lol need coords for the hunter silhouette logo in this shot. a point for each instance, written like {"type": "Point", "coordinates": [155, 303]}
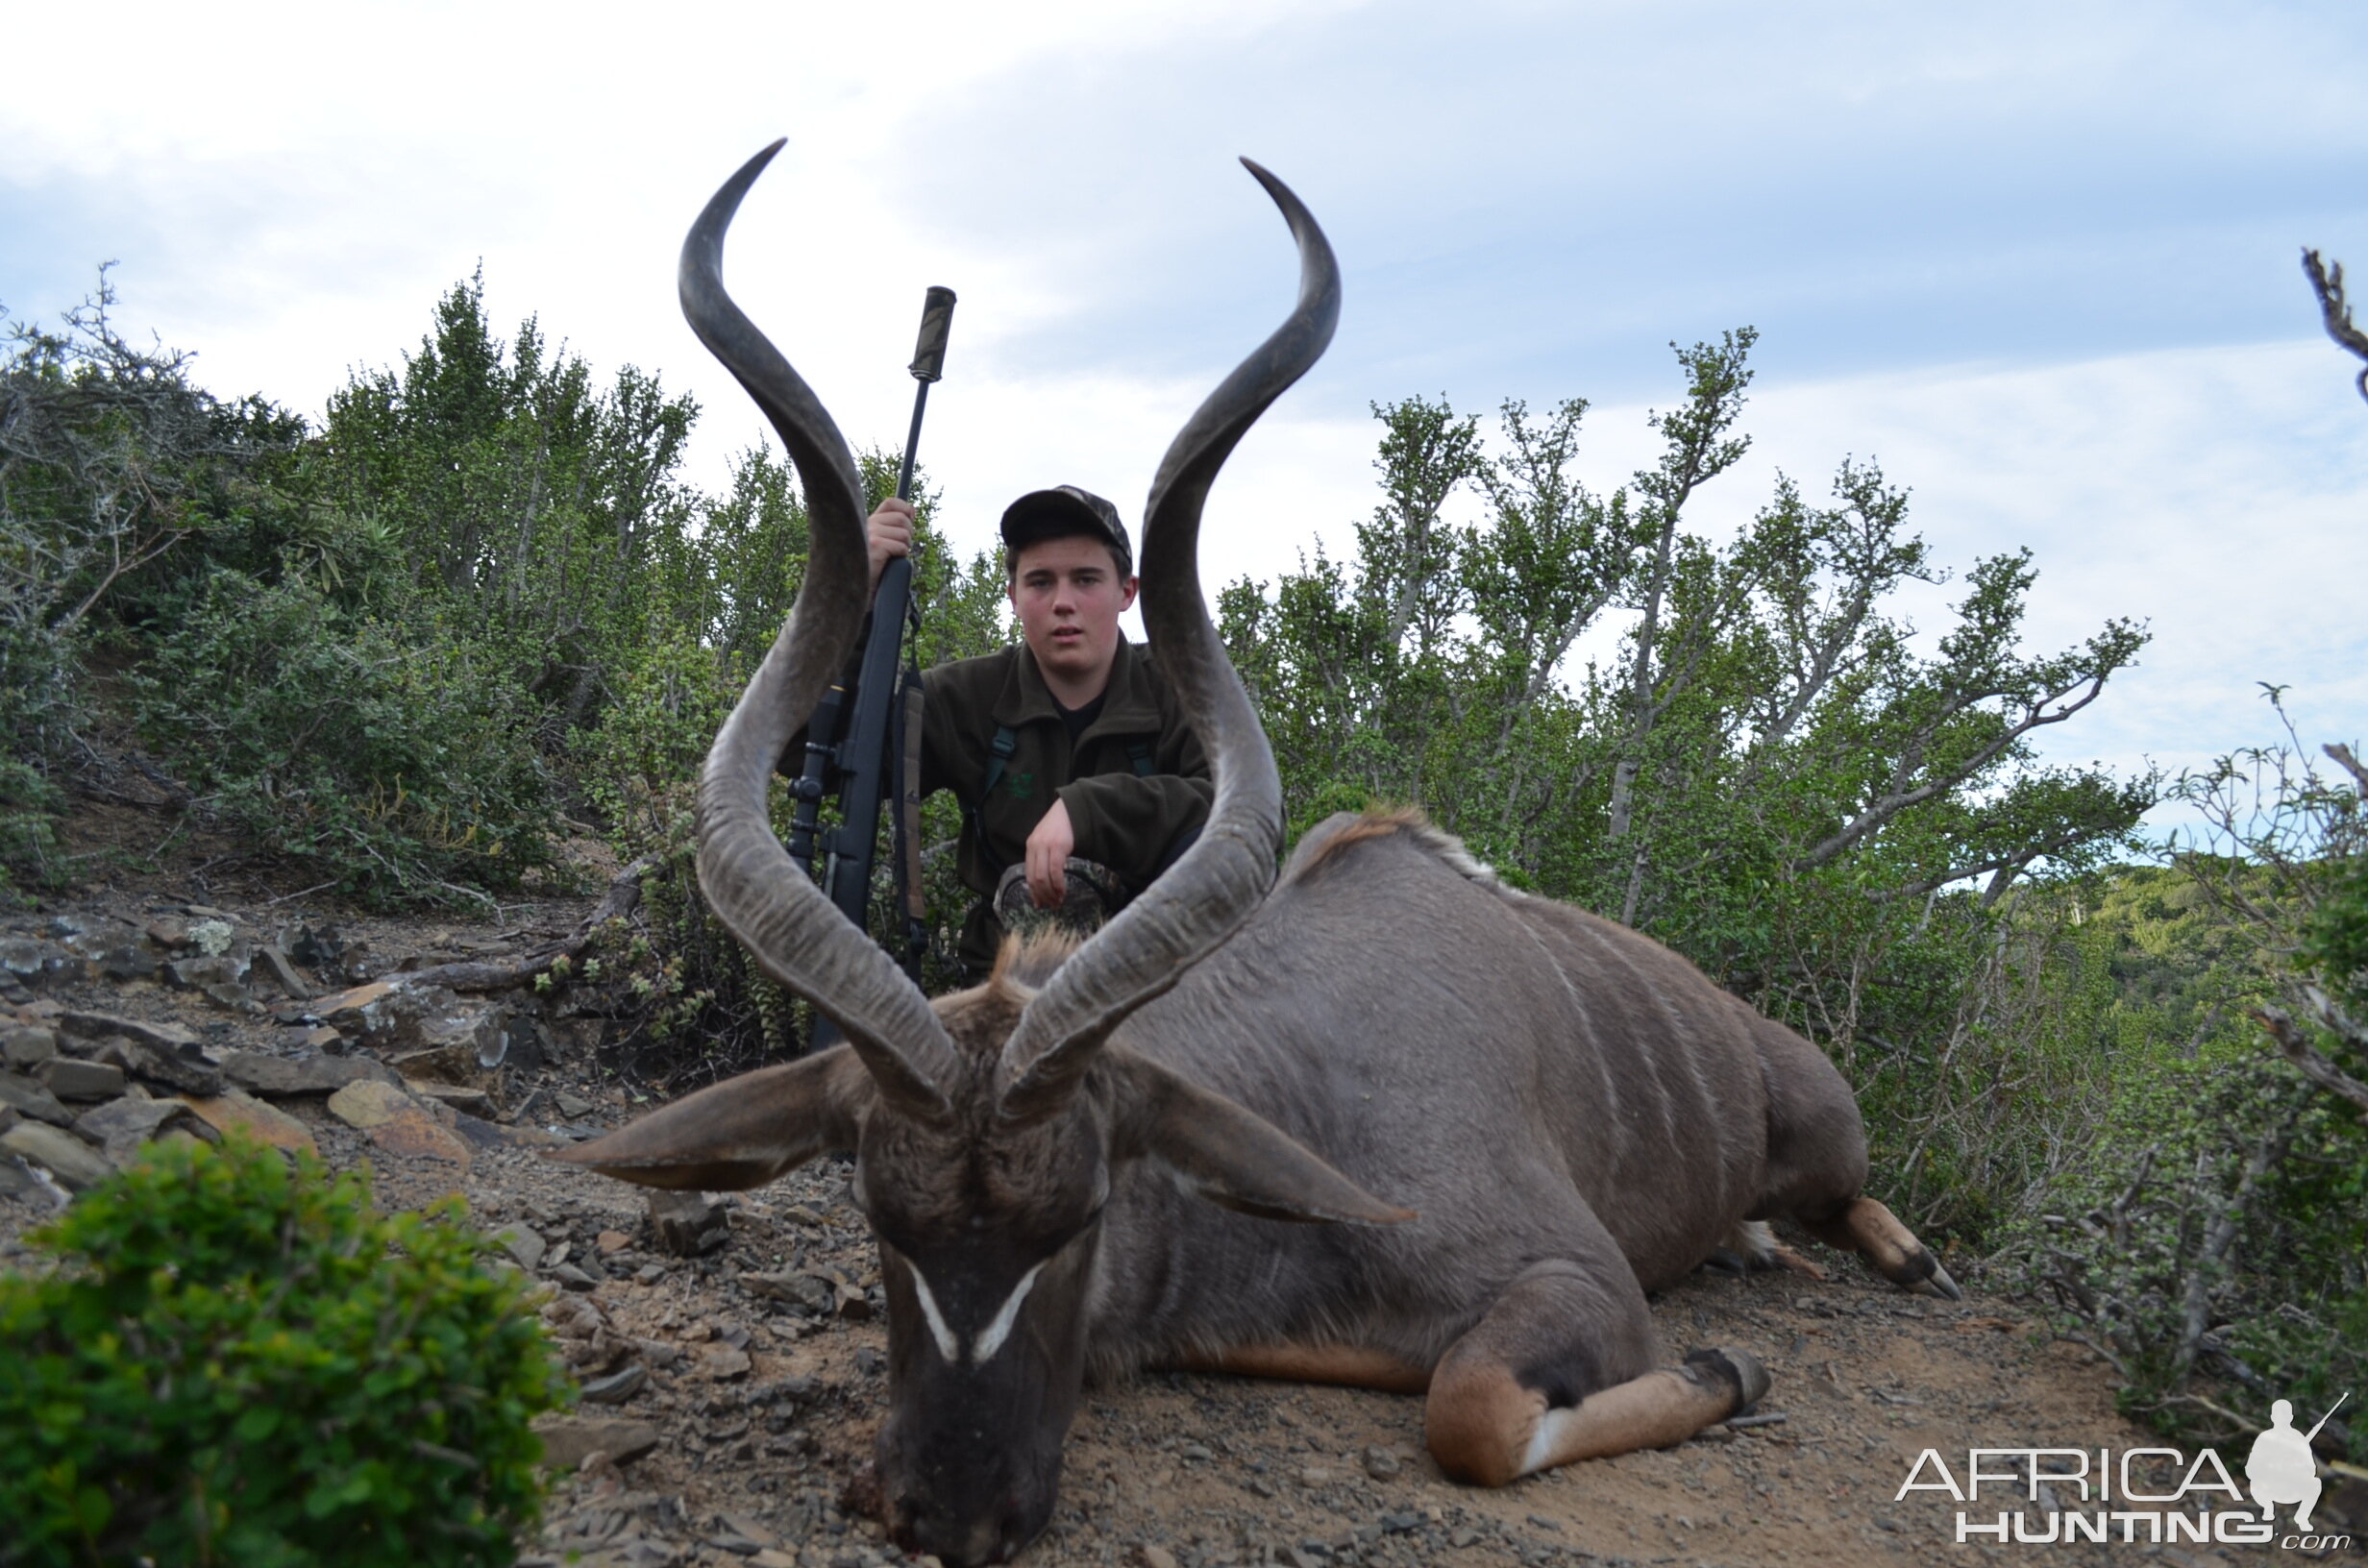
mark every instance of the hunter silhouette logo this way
{"type": "Point", "coordinates": [2281, 1470]}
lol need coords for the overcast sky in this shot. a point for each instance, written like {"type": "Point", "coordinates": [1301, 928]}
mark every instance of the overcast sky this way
{"type": "Point", "coordinates": [2039, 260]}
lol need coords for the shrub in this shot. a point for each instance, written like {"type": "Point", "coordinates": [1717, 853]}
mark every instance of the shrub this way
{"type": "Point", "coordinates": [399, 759]}
{"type": "Point", "coordinates": [236, 1360]}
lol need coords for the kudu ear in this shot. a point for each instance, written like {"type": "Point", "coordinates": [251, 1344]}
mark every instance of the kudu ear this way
{"type": "Point", "coordinates": [1230, 1156]}
{"type": "Point", "coordinates": [740, 1133]}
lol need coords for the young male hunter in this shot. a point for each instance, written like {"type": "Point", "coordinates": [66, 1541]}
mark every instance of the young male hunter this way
{"type": "Point", "coordinates": [1068, 748]}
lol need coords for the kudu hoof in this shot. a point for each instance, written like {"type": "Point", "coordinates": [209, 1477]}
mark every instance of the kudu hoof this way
{"type": "Point", "coordinates": [1736, 1369]}
{"type": "Point", "coordinates": [1937, 1285]}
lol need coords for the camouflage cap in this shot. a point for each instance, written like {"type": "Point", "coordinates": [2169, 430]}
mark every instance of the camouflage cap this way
{"type": "Point", "coordinates": [1060, 512]}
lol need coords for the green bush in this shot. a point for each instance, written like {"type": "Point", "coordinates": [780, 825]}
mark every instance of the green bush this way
{"type": "Point", "coordinates": [239, 1361]}
{"type": "Point", "coordinates": [399, 759]}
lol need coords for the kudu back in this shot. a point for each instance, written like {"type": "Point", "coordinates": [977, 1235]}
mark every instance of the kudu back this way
{"type": "Point", "coordinates": [1384, 1123]}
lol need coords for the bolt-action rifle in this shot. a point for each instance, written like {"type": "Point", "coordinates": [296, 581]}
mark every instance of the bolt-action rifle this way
{"type": "Point", "coordinates": [864, 741]}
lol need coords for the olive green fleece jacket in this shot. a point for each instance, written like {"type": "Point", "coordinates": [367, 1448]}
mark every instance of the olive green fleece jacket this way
{"type": "Point", "coordinates": [1121, 821]}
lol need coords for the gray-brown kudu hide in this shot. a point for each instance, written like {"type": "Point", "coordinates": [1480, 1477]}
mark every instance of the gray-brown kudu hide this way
{"type": "Point", "coordinates": [1083, 1162]}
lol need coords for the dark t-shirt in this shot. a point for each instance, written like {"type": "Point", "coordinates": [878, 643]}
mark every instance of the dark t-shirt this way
{"type": "Point", "coordinates": [1075, 720]}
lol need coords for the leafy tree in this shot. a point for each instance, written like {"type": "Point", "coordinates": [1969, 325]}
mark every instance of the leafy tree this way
{"type": "Point", "coordinates": [1764, 769]}
{"type": "Point", "coordinates": [110, 460]}
{"type": "Point", "coordinates": [538, 511]}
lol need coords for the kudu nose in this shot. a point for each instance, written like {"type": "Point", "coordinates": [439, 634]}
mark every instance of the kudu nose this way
{"type": "Point", "coordinates": [958, 1542]}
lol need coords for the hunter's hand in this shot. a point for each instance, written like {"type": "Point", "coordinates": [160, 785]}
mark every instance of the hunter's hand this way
{"type": "Point", "coordinates": [1047, 852]}
{"type": "Point", "coordinates": [889, 533]}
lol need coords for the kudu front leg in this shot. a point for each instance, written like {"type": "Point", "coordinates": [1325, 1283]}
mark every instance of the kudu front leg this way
{"type": "Point", "coordinates": [1561, 1369]}
{"type": "Point", "coordinates": [1862, 1225]}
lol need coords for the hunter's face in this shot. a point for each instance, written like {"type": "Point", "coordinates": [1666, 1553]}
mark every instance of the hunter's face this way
{"type": "Point", "coordinates": [1068, 595]}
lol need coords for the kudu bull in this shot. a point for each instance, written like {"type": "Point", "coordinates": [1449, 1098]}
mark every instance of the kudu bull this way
{"type": "Point", "coordinates": [1081, 1164]}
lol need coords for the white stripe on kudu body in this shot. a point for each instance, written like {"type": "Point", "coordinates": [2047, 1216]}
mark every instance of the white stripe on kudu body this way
{"type": "Point", "coordinates": [990, 1339]}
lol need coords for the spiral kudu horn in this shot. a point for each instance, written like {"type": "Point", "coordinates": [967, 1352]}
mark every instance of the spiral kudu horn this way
{"type": "Point", "coordinates": [793, 932]}
{"type": "Point", "coordinates": [1187, 913]}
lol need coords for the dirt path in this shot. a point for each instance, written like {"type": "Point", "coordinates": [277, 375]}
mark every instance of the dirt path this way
{"type": "Point", "coordinates": [760, 1381]}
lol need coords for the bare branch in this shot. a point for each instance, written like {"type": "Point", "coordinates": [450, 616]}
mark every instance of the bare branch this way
{"type": "Point", "coordinates": [623, 897]}
{"type": "Point", "coordinates": [2327, 283]}
{"type": "Point", "coordinates": [1890, 805]}
{"type": "Point", "coordinates": [2308, 1060]}
{"type": "Point", "coordinates": [2350, 763]}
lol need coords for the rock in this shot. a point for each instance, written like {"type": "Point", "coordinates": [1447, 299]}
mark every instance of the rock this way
{"type": "Point", "coordinates": [235, 998]}
{"type": "Point", "coordinates": [366, 1103]}
{"type": "Point", "coordinates": [1155, 1557]}
{"type": "Point", "coordinates": [1315, 1475]}
{"type": "Point", "coordinates": [317, 950]}
{"type": "Point", "coordinates": [810, 1294]}
{"type": "Point", "coordinates": [722, 1362]}
{"type": "Point", "coordinates": [454, 1065]}
{"type": "Point", "coordinates": [524, 1244]}
{"type": "Point", "coordinates": [575, 1106]}
{"type": "Point", "coordinates": [17, 1180]}
{"type": "Point", "coordinates": [613, 1243]}
{"type": "Point", "coordinates": [234, 1109]}
{"type": "Point", "coordinates": [416, 1134]}
{"type": "Point", "coordinates": [122, 1128]}
{"type": "Point", "coordinates": [163, 1037]}
{"type": "Point", "coordinates": [383, 1011]}
{"type": "Point", "coordinates": [486, 1135]}
{"type": "Point", "coordinates": [1381, 1464]}
{"type": "Point", "coordinates": [167, 931]}
{"type": "Point", "coordinates": [73, 1162]}
{"type": "Point", "coordinates": [476, 1102]}
{"type": "Point", "coordinates": [72, 1080]}
{"type": "Point", "coordinates": [472, 1031]}
{"type": "Point", "coordinates": [618, 1386]}
{"type": "Point", "coordinates": [573, 1277]}
{"type": "Point", "coordinates": [521, 1044]}
{"type": "Point", "coordinates": [27, 1045]}
{"type": "Point", "coordinates": [689, 1224]}
{"type": "Point", "coordinates": [795, 1389]}
{"type": "Point", "coordinates": [568, 1440]}
{"type": "Point", "coordinates": [280, 1077]}
{"type": "Point", "coordinates": [204, 973]}
{"type": "Point", "coordinates": [30, 1099]}
{"type": "Point", "coordinates": [174, 1069]}
{"type": "Point", "coordinates": [283, 972]}
{"type": "Point", "coordinates": [853, 1305]}
{"type": "Point", "coordinates": [131, 961]}
{"type": "Point", "coordinates": [750, 1529]}
{"type": "Point", "coordinates": [396, 1122]}
{"type": "Point", "coordinates": [41, 965]}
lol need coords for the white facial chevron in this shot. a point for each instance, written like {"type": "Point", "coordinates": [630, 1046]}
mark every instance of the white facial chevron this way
{"type": "Point", "coordinates": [948, 1345]}
{"type": "Point", "coordinates": [991, 1338]}
{"type": "Point", "coordinates": [998, 1329]}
